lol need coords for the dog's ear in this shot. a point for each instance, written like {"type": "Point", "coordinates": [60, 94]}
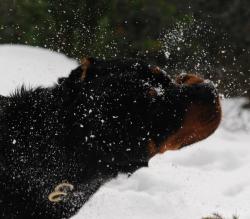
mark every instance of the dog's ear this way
{"type": "Point", "coordinates": [85, 64]}
{"type": "Point", "coordinates": [78, 74]}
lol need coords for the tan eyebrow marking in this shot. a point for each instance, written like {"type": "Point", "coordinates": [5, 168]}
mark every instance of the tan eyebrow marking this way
{"type": "Point", "coordinates": [155, 70]}
{"type": "Point", "coordinates": [189, 79]}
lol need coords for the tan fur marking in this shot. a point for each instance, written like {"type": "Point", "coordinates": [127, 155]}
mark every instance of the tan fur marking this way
{"type": "Point", "coordinates": [152, 149]}
{"type": "Point", "coordinates": [155, 70]}
{"type": "Point", "coordinates": [200, 122]}
{"type": "Point", "coordinates": [189, 79]}
{"type": "Point", "coordinates": [85, 63]}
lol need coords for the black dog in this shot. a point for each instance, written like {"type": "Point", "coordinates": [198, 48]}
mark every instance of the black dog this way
{"type": "Point", "coordinates": [58, 145]}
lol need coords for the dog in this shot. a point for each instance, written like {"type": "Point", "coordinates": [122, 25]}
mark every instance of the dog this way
{"type": "Point", "coordinates": [59, 144]}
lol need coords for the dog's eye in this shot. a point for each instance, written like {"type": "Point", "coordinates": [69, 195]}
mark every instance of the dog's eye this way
{"type": "Point", "coordinates": [155, 91]}
{"type": "Point", "coordinates": [152, 92]}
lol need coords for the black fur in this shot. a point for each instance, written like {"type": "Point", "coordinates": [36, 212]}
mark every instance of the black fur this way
{"type": "Point", "coordinates": [85, 133]}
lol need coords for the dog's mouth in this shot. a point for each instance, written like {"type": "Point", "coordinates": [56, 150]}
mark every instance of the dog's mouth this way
{"type": "Point", "coordinates": [201, 119]}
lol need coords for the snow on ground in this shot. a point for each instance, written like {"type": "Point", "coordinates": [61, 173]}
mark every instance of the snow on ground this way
{"type": "Point", "coordinates": [30, 65]}
{"type": "Point", "coordinates": [209, 177]}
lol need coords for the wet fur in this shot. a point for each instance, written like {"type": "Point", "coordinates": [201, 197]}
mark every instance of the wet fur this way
{"type": "Point", "coordinates": [84, 131]}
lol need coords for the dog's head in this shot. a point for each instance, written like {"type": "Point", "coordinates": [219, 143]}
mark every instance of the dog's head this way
{"type": "Point", "coordinates": [135, 110]}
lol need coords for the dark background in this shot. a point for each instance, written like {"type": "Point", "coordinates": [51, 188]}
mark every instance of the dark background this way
{"type": "Point", "coordinates": [209, 37]}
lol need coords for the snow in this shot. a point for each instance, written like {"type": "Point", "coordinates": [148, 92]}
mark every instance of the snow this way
{"type": "Point", "coordinates": [31, 66]}
{"type": "Point", "coordinates": [209, 177]}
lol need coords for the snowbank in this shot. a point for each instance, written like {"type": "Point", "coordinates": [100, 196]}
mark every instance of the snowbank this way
{"type": "Point", "coordinates": [30, 66]}
{"type": "Point", "coordinates": [210, 176]}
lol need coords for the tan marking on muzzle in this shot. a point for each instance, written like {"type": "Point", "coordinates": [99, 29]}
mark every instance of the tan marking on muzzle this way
{"type": "Point", "coordinates": [200, 122]}
{"type": "Point", "coordinates": [152, 149]}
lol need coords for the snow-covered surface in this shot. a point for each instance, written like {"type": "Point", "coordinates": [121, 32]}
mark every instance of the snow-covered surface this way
{"type": "Point", "coordinates": [211, 176]}
{"type": "Point", "coordinates": [30, 66]}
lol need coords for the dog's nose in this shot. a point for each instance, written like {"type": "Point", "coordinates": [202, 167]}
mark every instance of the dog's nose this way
{"type": "Point", "coordinates": [196, 88]}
